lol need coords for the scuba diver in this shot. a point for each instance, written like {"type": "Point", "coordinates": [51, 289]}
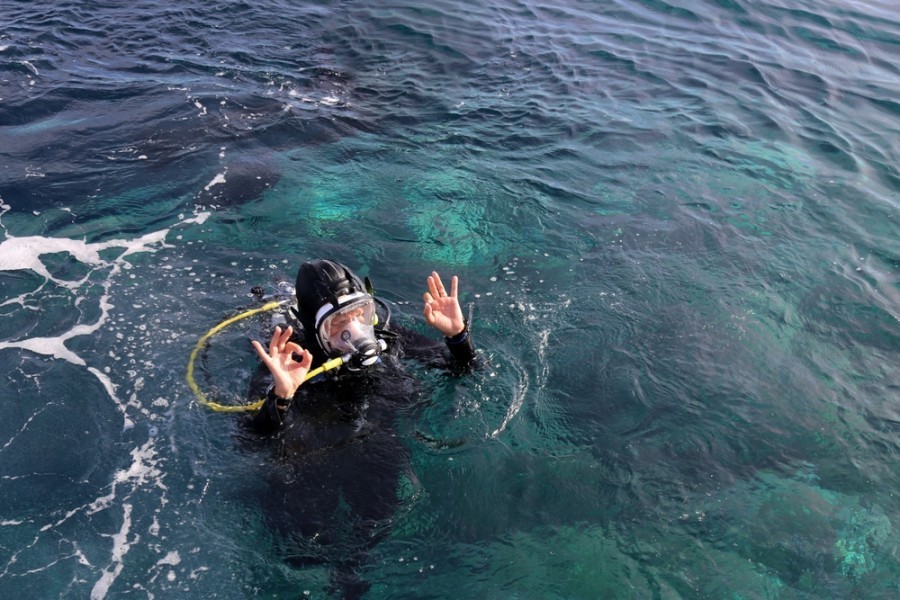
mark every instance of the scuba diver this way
{"type": "Point", "coordinates": [339, 464]}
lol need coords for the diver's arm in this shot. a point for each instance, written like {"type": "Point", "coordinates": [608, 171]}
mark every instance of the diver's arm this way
{"type": "Point", "coordinates": [461, 347]}
{"type": "Point", "coordinates": [443, 312]}
{"type": "Point", "coordinates": [288, 374]}
{"type": "Point", "coordinates": [270, 415]}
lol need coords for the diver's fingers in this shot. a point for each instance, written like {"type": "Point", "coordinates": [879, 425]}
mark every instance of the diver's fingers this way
{"type": "Point", "coordinates": [454, 286]}
{"type": "Point", "coordinates": [274, 343]}
{"type": "Point", "coordinates": [293, 348]}
{"type": "Point", "coordinates": [440, 284]}
{"type": "Point", "coordinates": [279, 342]}
{"type": "Point", "coordinates": [306, 361]}
{"type": "Point", "coordinates": [285, 336]}
{"type": "Point", "coordinates": [432, 286]}
{"type": "Point", "coordinates": [428, 311]}
{"type": "Point", "coordinates": [261, 351]}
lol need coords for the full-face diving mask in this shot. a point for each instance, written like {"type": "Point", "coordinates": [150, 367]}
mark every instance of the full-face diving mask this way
{"type": "Point", "coordinates": [349, 328]}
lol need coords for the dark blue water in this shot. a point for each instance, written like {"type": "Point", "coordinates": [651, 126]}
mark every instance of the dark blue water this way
{"type": "Point", "coordinates": [677, 222]}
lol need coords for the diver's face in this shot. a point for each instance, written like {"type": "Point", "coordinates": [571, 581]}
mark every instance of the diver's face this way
{"type": "Point", "coordinates": [349, 328]}
{"type": "Point", "coordinates": [343, 321]}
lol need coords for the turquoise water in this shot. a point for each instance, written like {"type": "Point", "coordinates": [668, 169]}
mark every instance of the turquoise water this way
{"type": "Point", "coordinates": [677, 223]}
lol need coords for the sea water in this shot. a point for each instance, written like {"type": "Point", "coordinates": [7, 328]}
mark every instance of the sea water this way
{"type": "Point", "coordinates": [676, 224]}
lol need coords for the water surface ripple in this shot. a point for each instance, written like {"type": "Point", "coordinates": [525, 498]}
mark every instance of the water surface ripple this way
{"type": "Point", "coordinates": [676, 221]}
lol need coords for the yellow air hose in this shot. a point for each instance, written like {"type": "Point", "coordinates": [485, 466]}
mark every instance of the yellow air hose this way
{"type": "Point", "coordinates": [201, 343]}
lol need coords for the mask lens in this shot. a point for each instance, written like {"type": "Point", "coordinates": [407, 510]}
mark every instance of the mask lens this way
{"type": "Point", "coordinates": [348, 328]}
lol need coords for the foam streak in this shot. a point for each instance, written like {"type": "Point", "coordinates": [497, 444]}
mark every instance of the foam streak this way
{"type": "Point", "coordinates": [25, 253]}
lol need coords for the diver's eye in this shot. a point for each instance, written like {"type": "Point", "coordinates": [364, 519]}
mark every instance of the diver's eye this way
{"type": "Point", "coordinates": [356, 315]}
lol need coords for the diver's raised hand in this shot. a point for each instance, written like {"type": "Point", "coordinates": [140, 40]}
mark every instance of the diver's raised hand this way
{"type": "Point", "coordinates": [442, 311]}
{"type": "Point", "coordinates": [288, 372]}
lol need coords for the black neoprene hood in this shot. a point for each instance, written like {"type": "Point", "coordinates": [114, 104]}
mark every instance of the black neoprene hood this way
{"type": "Point", "coordinates": [321, 282]}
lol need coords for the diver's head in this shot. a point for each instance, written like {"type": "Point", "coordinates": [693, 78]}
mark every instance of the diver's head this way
{"type": "Point", "coordinates": [333, 302]}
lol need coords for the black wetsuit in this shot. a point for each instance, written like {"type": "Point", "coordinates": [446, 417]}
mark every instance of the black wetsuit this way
{"type": "Point", "coordinates": [333, 486]}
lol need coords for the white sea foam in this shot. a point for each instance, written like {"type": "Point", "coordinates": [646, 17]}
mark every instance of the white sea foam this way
{"type": "Point", "coordinates": [29, 66]}
{"type": "Point", "coordinates": [144, 471]}
{"type": "Point", "coordinates": [172, 559]}
{"type": "Point", "coordinates": [144, 468]}
{"type": "Point", "coordinates": [522, 392]}
{"type": "Point", "coordinates": [220, 178]}
{"type": "Point", "coordinates": [121, 546]}
{"type": "Point", "coordinates": [109, 258]}
{"type": "Point", "coordinates": [23, 428]}
{"type": "Point", "coordinates": [26, 253]}
{"type": "Point", "coordinates": [514, 406]}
